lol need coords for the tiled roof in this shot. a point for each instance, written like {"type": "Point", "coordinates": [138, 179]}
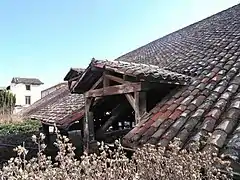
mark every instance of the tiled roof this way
{"type": "Point", "coordinates": [208, 110]}
{"type": "Point", "coordinates": [43, 102]}
{"type": "Point", "coordinates": [192, 49]}
{"type": "Point", "coordinates": [141, 72]}
{"type": "Point", "coordinates": [33, 81]}
{"type": "Point", "coordinates": [60, 107]}
{"type": "Point", "coordinates": [73, 72]}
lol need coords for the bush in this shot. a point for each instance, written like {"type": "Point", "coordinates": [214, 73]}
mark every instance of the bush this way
{"type": "Point", "coordinates": [19, 127]}
{"type": "Point", "coordinates": [149, 162]}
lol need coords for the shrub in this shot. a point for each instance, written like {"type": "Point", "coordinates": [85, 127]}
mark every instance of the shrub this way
{"type": "Point", "coordinates": [19, 127]}
{"type": "Point", "coordinates": [149, 162]}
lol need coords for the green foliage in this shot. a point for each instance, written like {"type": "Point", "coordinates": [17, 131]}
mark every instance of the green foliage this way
{"type": "Point", "coordinates": [7, 102]}
{"type": "Point", "coordinates": [18, 128]}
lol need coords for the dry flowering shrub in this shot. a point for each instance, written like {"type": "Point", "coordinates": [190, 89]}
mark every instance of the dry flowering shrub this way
{"type": "Point", "coordinates": [149, 162]}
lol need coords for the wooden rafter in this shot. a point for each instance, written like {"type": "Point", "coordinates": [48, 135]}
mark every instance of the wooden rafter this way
{"type": "Point", "coordinates": [97, 83]}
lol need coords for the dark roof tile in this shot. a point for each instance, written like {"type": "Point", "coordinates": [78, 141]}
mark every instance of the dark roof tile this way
{"type": "Point", "coordinates": [233, 88]}
{"type": "Point", "coordinates": [175, 115]}
{"type": "Point", "coordinates": [28, 81]}
{"type": "Point", "coordinates": [232, 113]}
{"type": "Point", "coordinates": [198, 100]}
{"type": "Point", "coordinates": [226, 96]}
{"type": "Point", "coordinates": [172, 107]}
{"type": "Point", "coordinates": [208, 124]}
{"type": "Point", "coordinates": [219, 89]}
{"type": "Point", "coordinates": [183, 135]}
{"type": "Point", "coordinates": [214, 113]}
{"type": "Point", "coordinates": [187, 100]}
{"type": "Point", "coordinates": [209, 52]}
{"type": "Point", "coordinates": [236, 104]}
{"type": "Point", "coordinates": [218, 138]}
{"type": "Point", "coordinates": [234, 142]}
{"type": "Point", "coordinates": [191, 107]}
{"type": "Point", "coordinates": [162, 128]}
{"type": "Point", "coordinates": [227, 125]}
{"type": "Point", "coordinates": [221, 104]}
{"type": "Point", "coordinates": [57, 107]}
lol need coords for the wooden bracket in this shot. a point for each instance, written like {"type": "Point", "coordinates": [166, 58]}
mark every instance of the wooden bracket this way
{"type": "Point", "coordinates": [140, 105]}
{"type": "Point", "coordinates": [131, 100]}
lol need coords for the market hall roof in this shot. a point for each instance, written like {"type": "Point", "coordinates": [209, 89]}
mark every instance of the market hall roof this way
{"type": "Point", "coordinates": [208, 109]}
{"type": "Point", "coordinates": [141, 72]}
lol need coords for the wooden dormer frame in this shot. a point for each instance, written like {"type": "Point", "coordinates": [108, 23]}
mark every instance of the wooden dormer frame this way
{"type": "Point", "coordinates": [135, 93]}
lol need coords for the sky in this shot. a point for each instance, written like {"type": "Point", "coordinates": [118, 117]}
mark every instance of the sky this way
{"type": "Point", "coordinates": [44, 39]}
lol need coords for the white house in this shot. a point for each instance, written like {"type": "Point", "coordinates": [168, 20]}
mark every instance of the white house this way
{"type": "Point", "coordinates": [26, 90]}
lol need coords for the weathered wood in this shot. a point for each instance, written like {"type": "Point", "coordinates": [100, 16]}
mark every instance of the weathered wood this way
{"type": "Point", "coordinates": [113, 90]}
{"type": "Point", "coordinates": [116, 112]}
{"type": "Point", "coordinates": [88, 124]}
{"type": "Point", "coordinates": [97, 83]}
{"type": "Point", "coordinates": [131, 100]}
{"type": "Point", "coordinates": [91, 127]}
{"type": "Point", "coordinates": [76, 139]}
{"type": "Point", "coordinates": [140, 105]}
{"type": "Point", "coordinates": [117, 132]}
{"type": "Point", "coordinates": [114, 78]}
{"type": "Point", "coordinates": [106, 81]}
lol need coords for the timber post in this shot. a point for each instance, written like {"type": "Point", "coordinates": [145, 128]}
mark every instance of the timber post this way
{"type": "Point", "coordinates": [88, 133]}
{"type": "Point", "coordinates": [140, 105]}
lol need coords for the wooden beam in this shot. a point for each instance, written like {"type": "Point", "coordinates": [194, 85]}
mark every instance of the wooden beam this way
{"type": "Point", "coordinates": [115, 114]}
{"type": "Point", "coordinates": [117, 132]}
{"type": "Point", "coordinates": [88, 133]}
{"type": "Point", "coordinates": [131, 100]}
{"type": "Point", "coordinates": [115, 79]}
{"type": "Point", "coordinates": [106, 81]}
{"type": "Point", "coordinates": [97, 83]}
{"type": "Point", "coordinates": [113, 90]}
{"type": "Point", "coordinates": [140, 105]}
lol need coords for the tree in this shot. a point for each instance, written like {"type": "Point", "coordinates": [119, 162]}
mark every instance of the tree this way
{"type": "Point", "coordinates": [7, 102]}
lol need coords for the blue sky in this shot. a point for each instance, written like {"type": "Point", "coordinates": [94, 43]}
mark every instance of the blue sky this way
{"type": "Point", "coordinates": [45, 38]}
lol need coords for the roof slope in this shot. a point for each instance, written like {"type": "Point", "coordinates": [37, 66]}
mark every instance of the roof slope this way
{"type": "Point", "coordinates": [191, 49]}
{"type": "Point", "coordinates": [208, 110]}
{"type": "Point", "coordinates": [142, 72]}
{"type": "Point", "coordinates": [60, 107]}
{"type": "Point", "coordinates": [33, 81]}
{"type": "Point", "coordinates": [73, 72]}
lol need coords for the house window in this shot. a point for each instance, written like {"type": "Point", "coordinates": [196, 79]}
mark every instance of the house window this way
{"type": "Point", "coordinates": [28, 87]}
{"type": "Point", "coordinates": [28, 100]}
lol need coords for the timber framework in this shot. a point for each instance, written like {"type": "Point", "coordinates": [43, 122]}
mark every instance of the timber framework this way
{"type": "Point", "coordinates": [118, 94]}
